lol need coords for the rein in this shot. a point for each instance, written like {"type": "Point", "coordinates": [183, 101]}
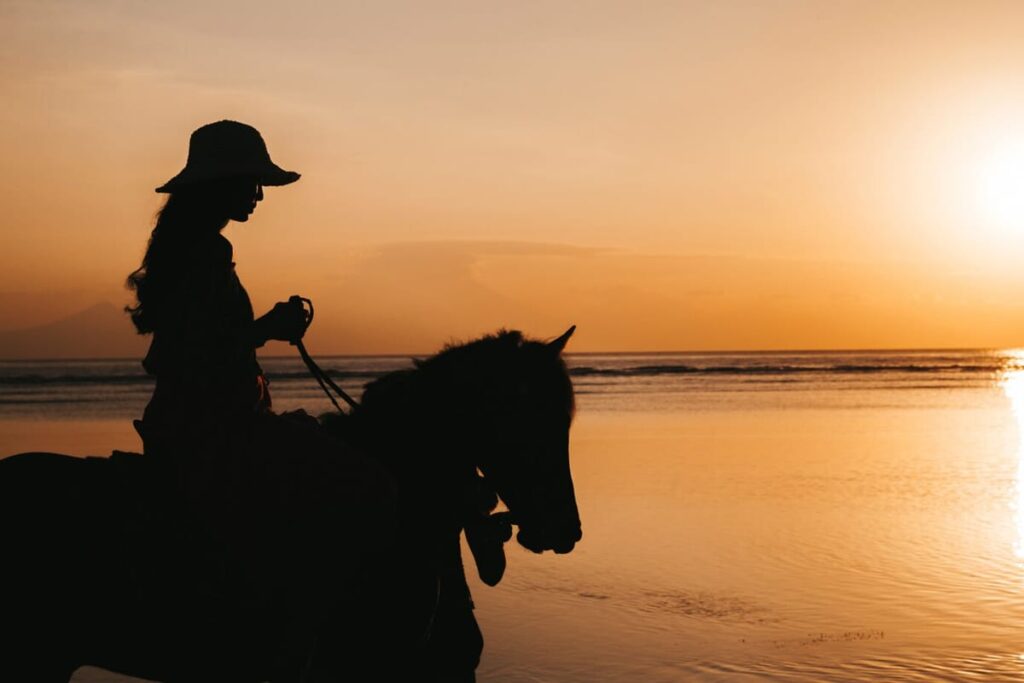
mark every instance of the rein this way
{"type": "Point", "coordinates": [322, 378]}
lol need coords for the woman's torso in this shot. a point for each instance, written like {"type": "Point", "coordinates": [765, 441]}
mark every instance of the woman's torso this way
{"type": "Point", "coordinates": [203, 353]}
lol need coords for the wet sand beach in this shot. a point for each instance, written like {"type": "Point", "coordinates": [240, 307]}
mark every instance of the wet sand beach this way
{"type": "Point", "coordinates": [789, 529]}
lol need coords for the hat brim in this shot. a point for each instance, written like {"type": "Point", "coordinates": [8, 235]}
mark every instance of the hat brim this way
{"type": "Point", "coordinates": [270, 175]}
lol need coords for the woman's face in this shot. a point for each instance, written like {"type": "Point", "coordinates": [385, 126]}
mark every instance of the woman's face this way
{"type": "Point", "coordinates": [238, 198]}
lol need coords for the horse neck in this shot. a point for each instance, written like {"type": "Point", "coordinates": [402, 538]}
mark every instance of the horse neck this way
{"type": "Point", "coordinates": [428, 431]}
{"type": "Point", "coordinates": [432, 468]}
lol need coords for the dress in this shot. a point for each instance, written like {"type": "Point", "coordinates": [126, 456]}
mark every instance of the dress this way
{"type": "Point", "coordinates": [210, 391]}
{"type": "Point", "coordinates": [296, 512]}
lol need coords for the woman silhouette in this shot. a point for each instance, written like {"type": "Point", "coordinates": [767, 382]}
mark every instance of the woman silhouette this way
{"type": "Point", "coordinates": [203, 353]}
{"type": "Point", "coordinates": [266, 488]}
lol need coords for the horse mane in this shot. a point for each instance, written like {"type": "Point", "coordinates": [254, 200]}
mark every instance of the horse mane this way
{"type": "Point", "coordinates": [490, 366]}
{"type": "Point", "coordinates": [472, 352]}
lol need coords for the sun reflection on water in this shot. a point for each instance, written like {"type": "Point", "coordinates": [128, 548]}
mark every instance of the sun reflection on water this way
{"type": "Point", "coordinates": [1012, 382]}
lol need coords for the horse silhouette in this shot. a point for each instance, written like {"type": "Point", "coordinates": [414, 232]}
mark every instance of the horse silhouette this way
{"type": "Point", "coordinates": [100, 569]}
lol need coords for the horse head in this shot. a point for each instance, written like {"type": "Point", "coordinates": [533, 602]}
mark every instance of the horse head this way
{"type": "Point", "coordinates": [501, 405]}
{"type": "Point", "coordinates": [528, 463]}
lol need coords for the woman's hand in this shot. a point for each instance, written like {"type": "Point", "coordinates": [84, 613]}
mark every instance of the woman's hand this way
{"type": "Point", "coordinates": [286, 321]}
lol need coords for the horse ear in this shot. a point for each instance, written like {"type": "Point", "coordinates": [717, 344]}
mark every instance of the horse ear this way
{"type": "Point", "coordinates": [559, 344]}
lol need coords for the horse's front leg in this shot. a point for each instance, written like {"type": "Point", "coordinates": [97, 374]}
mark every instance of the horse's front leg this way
{"type": "Point", "coordinates": [455, 643]}
{"type": "Point", "coordinates": [453, 652]}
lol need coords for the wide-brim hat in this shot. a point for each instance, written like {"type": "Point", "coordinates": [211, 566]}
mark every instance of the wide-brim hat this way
{"type": "Point", "coordinates": [228, 149]}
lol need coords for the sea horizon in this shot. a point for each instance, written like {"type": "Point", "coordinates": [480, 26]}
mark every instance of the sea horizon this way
{"type": "Point", "coordinates": [572, 354]}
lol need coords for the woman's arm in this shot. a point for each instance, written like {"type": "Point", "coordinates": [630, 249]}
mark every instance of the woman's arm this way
{"type": "Point", "coordinates": [286, 321]}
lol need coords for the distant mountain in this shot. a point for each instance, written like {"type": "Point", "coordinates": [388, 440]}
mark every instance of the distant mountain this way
{"type": "Point", "coordinates": [100, 331]}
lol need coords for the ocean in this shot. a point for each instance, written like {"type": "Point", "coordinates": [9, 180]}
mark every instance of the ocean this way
{"type": "Point", "coordinates": [798, 516]}
{"type": "Point", "coordinates": [117, 389]}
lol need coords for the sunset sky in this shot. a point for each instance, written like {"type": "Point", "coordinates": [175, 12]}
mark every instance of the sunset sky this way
{"type": "Point", "coordinates": [665, 175]}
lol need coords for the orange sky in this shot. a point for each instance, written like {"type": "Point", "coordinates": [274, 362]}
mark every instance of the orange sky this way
{"type": "Point", "coordinates": [666, 175]}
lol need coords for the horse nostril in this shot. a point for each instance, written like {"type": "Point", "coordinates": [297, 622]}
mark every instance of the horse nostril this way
{"type": "Point", "coordinates": [573, 529]}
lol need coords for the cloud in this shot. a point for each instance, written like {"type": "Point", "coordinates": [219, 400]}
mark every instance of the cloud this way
{"type": "Point", "coordinates": [413, 297]}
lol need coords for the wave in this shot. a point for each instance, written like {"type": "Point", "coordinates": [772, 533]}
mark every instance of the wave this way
{"type": "Point", "coordinates": [37, 380]}
{"type": "Point", "coordinates": [140, 378]}
{"type": "Point", "coordinates": [794, 371]}
{"type": "Point", "coordinates": [837, 369]}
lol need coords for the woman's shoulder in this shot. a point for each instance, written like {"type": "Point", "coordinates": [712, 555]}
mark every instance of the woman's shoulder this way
{"type": "Point", "coordinates": [209, 256]}
{"type": "Point", "coordinates": [207, 264]}
{"type": "Point", "coordinates": [215, 251]}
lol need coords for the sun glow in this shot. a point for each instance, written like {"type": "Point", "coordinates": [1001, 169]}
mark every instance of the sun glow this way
{"type": "Point", "coordinates": [1000, 186]}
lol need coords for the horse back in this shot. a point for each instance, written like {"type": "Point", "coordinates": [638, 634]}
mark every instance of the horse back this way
{"type": "Point", "coordinates": [59, 515]}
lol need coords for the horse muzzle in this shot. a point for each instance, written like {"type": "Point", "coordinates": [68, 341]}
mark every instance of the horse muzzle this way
{"type": "Point", "coordinates": [561, 538]}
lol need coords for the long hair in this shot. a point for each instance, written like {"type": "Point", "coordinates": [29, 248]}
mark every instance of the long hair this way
{"type": "Point", "coordinates": [188, 215]}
